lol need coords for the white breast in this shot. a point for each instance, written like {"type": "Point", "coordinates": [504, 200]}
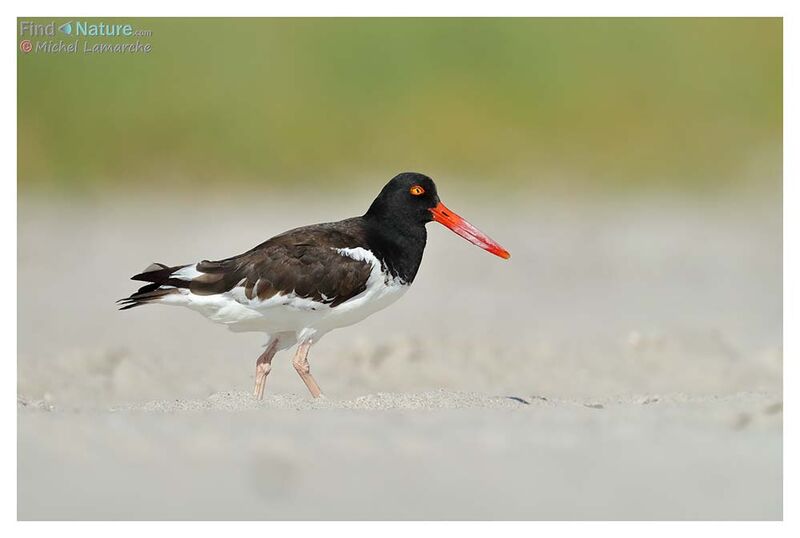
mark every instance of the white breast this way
{"type": "Point", "coordinates": [382, 290]}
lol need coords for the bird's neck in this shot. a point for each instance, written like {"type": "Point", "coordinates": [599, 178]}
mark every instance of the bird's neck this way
{"type": "Point", "coordinates": [397, 244]}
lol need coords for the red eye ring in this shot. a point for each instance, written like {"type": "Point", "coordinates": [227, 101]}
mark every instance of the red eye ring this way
{"type": "Point", "coordinates": [416, 190]}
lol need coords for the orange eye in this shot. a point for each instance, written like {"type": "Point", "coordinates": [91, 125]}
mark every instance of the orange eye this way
{"type": "Point", "coordinates": [416, 190]}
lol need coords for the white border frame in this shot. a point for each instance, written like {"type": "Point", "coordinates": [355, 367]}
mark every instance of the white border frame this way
{"type": "Point", "coordinates": [471, 8]}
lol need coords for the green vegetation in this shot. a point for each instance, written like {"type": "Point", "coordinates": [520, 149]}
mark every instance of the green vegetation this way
{"type": "Point", "coordinates": [616, 102]}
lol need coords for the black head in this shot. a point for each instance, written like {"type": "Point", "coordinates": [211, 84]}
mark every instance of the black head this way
{"type": "Point", "coordinates": [409, 201]}
{"type": "Point", "coordinates": [406, 200]}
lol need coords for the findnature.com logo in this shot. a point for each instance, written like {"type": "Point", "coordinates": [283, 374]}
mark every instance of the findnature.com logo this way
{"type": "Point", "coordinates": [48, 44]}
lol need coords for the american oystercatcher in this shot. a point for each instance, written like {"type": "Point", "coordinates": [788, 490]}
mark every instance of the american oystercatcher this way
{"type": "Point", "coordinates": [301, 284]}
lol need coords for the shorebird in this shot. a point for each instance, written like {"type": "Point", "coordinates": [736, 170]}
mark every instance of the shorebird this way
{"type": "Point", "coordinates": [302, 284]}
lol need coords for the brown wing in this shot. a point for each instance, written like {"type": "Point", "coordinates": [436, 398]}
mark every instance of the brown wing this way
{"type": "Point", "coordinates": [304, 261]}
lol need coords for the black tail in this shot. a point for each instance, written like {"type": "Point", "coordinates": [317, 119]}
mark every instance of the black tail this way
{"type": "Point", "coordinates": [158, 275]}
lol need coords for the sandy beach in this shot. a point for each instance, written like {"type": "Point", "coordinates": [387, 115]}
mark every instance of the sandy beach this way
{"type": "Point", "coordinates": [625, 363]}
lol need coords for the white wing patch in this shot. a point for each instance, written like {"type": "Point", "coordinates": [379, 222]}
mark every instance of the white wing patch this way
{"type": "Point", "coordinates": [187, 273]}
{"type": "Point", "coordinates": [359, 254]}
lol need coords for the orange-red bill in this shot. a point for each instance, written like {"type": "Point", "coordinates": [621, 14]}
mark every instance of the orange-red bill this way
{"type": "Point", "coordinates": [444, 216]}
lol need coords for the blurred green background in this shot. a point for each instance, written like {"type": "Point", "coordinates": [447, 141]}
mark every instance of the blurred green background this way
{"type": "Point", "coordinates": [599, 103]}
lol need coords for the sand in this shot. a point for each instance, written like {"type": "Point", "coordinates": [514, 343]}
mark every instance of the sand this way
{"type": "Point", "coordinates": [626, 363]}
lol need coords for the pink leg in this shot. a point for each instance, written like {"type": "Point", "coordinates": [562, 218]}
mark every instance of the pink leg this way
{"type": "Point", "coordinates": [300, 363]}
{"type": "Point", "coordinates": [263, 366]}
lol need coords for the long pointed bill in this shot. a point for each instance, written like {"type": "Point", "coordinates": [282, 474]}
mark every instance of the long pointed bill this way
{"type": "Point", "coordinates": [444, 216]}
